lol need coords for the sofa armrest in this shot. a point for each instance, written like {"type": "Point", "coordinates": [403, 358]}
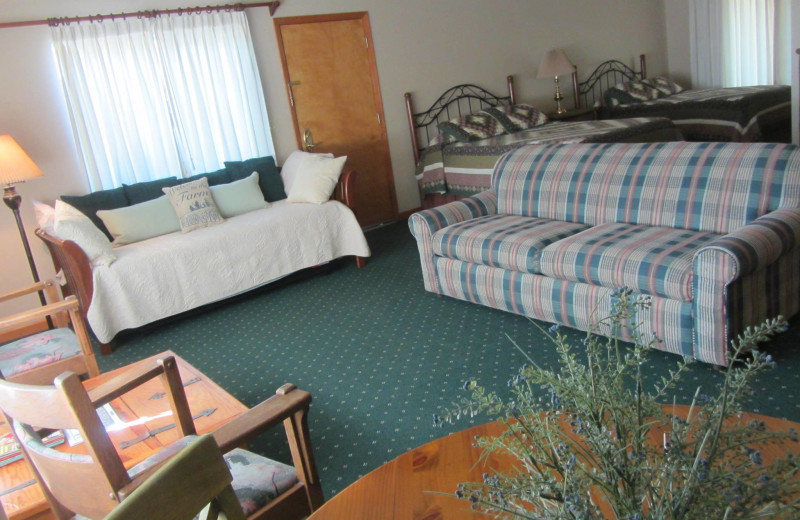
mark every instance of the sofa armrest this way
{"type": "Point", "coordinates": [424, 224]}
{"type": "Point", "coordinates": [431, 220]}
{"type": "Point", "coordinates": [344, 189]}
{"type": "Point", "coordinates": [756, 245]}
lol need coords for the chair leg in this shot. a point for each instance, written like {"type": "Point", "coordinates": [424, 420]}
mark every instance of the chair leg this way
{"type": "Point", "coordinates": [303, 457]}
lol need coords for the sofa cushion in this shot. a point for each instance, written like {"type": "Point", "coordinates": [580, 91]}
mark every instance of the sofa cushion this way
{"type": "Point", "coordinates": [503, 241]}
{"type": "Point", "coordinates": [269, 178]}
{"type": "Point", "coordinates": [650, 260]}
{"type": "Point", "coordinates": [216, 178]}
{"type": "Point", "coordinates": [91, 203]}
{"type": "Point", "coordinates": [148, 190]}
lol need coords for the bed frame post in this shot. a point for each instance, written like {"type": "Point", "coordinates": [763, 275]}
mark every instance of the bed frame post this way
{"type": "Point", "coordinates": [412, 129]}
{"type": "Point", "coordinates": [642, 67]}
{"type": "Point", "coordinates": [576, 92]}
{"type": "Point", "coordinates": [512, 98]}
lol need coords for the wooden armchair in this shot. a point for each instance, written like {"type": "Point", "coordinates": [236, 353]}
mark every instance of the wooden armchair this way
{"type": "Point", "coordinates": [39, 357]}
{"type": "Point", "coordinates": [93, 484]}
{"type": "Point", "coordinates": [200, 468]}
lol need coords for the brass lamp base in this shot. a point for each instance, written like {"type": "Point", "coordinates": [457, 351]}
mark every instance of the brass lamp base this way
{"type": "Point", "coordinates": [559, 109]}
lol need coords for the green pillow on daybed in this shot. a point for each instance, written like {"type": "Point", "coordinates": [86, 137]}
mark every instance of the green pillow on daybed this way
{"type": "Point", "coordinates": [98, 200]}
{"type": "Point", "coordinates": [269, 179]}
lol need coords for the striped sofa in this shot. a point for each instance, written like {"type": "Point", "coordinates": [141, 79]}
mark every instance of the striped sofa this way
{"type": "Point", "coordinates": [711, 231]}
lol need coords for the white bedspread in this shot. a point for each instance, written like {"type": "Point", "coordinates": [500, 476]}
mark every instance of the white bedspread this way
{"type": "Point", "coordinates": [173, 273]}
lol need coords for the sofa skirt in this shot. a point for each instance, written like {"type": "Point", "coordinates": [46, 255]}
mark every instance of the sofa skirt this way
{"type": "Point", "coordinates": [572, 304]}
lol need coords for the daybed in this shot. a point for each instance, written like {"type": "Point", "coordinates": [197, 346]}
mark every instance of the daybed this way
{"type": "Point", "coordinates": [459, 138]}
{"type": "Point", "coordinates": [711, 231]}
{"type": "Point", "coordinates": [171, 273]}
{"type": "Point", "coordinates": [759, 113]}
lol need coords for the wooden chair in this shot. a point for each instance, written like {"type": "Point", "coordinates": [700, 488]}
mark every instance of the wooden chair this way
{"type": "Point", "coordinates": [39, 357]}
{"type": "Point", "coordinates": [92, 485]}
{"type": "Point", "coordinates": [195, 480]}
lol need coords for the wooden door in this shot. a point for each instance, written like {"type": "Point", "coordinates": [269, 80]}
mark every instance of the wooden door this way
{"type": "Point", "coordinates": [333, 90]}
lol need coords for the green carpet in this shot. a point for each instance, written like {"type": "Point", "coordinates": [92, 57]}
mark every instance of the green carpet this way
{"type": "Point", "coordinates": [380, 355]}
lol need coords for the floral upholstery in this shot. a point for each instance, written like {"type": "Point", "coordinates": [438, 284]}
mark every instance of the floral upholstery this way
{"type": "Point", "coordinates": [37, 350]}
{"type": "Point", "coordinates": [257, 480]}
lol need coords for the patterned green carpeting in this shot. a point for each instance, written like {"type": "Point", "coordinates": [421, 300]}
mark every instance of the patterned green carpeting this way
{"type": "Point", "coordinates": [380, 356]}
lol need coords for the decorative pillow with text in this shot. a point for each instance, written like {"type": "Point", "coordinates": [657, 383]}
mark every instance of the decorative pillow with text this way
{"type": "Point", "coordinates": [194, 205]}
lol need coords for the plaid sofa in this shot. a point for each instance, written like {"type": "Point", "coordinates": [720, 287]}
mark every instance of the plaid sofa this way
{"type": "Point", "coordinates": [710, 231]}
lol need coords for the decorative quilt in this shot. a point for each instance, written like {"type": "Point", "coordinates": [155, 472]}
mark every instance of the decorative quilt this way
{"type": "Point", "coordinates": [466, 168]}
{"type": "Point", "coordinates": [739, 114]}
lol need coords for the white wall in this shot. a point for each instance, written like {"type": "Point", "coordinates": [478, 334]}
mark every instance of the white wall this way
{"type": "Point", "coordinates": [422, 46]}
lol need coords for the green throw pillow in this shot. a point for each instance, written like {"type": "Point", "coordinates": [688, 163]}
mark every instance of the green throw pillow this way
{"type": "Point", "coordinates": [214, 178]}
{"type": "Point", "coordinates": [148, 190]}
{"type": "Point", "coordinates": [269, 179]}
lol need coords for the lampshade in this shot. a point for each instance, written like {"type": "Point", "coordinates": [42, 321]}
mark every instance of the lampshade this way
{"type": "Point", "coordinates": [555, 63]}
{"type": "Point", "coordinates": [15, 165]}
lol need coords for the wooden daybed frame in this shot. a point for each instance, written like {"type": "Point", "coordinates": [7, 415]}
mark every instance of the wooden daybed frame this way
{"type": "Point", "coordinates": [70, 259]}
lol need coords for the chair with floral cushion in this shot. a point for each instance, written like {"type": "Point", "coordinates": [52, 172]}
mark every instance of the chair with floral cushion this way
{"type": "Point", "coordinates": [93, 484]}
{"type": "Point", "coordinates": [39, 357]}
{"type": "Point", "coordinates": [196, 480]}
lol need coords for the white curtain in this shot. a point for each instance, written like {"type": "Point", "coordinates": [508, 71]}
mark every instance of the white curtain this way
{"type": "Point", "coordinates": [160, 97]}
{"type": "Point", "coordinates": [740, 42]}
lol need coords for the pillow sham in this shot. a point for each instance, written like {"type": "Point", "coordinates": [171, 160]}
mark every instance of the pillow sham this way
{"type": "Point", "coordinates": [664, 86]}
{"type": "Point", "coordinates": [140, 221]}
{"type": "Point", "coordinates": [238, 197]}
{"type": "Point", "coordinates": [629, 92]}
{"type": "Point", "coordinates": [317, 180]}
{"type": "Point", "coordinates": [293, 166]}
{"type": "Point", "coordinates": [471, 127]}
{"type": "Point", "coordinates": [71, 224]}
{"type": "Point", "coordinates": [193, 205]}
{"type": "Point", "coordinates": [515, 118]}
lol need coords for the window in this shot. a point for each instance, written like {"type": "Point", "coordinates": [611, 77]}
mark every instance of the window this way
{"type": "Point", "coordinates": [740, 42]}
{"type": "Point", "coordinates": [163, 96]}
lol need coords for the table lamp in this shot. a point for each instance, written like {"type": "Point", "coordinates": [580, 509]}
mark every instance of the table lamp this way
{"type": "Point", "coordinates": [554, 64]}
{"type": "Point", "coordinates": [16, 167]}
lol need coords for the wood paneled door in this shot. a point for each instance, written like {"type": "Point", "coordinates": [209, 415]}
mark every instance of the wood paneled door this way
{"type": "Point", "coordinates": [332, 84]}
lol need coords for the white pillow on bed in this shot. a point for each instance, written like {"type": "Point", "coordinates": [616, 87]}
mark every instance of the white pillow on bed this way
{"type": "Point", "coordinates": [317, 180]}
{"type": "Point", "coordinates": [71, 224]}
{"type": "Point", "coordinates": [293, 165]}
{"type": "Point", "coordinates": [238, 197]}
{"type": "Point", "coordinates": [141, 221]}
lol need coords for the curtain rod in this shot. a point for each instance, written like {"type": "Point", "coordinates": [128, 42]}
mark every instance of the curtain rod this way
{"type": "Point", "coordinates": [273, 6]}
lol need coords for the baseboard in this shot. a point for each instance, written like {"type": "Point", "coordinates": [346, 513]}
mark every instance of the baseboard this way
{"type": "Point", "coordinates": [403, 215]}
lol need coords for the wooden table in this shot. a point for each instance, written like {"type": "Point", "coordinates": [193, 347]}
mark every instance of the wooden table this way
{"type": "Point", "coordinates": [145, 411]}
{"type": "Point", "coordinates": [410, 487]}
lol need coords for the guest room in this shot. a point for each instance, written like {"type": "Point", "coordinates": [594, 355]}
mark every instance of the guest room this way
{"type": "Point", "coordinates": [275, 198]}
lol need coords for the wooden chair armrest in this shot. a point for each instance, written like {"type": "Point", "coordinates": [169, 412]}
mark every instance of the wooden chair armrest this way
{"type": "Point", "coordinates": [39, 313]}
{"type": "Point", "coordinates": [262, 417]}
{"type": "Point", "coordinates": [38, 286]}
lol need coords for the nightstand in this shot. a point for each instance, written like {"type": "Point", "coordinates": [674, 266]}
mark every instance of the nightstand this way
{"type": "Point", "coordinates": [577, 114]}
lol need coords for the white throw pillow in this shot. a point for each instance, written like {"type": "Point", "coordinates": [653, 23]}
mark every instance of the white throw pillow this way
{"type": "Point", "coordinates": [45, 216]}
{"type": "Point", "coordinates": [237, 197]}
{"type": "Point", "coordinates": [293, 165]}
{"type": "Point", "coordinates": [193, 205]}
{"type": "Point", "coordinates": [317, 180]}
{"type": "Point", "coordinates": [71, 224]}
{"type": "Point", "coordinates": [141, 221]}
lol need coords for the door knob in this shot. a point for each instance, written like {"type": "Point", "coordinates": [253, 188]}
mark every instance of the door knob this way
{"type": "Point", "coordinates": [308, 140]}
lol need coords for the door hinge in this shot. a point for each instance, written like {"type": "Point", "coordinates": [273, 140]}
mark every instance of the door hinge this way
{"type": "Point", "coordinates": [366, 42]}
{"type": "Point", "coordinates": [379, 118]}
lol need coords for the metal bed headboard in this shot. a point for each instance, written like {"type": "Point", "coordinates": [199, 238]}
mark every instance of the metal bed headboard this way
{"type": "Point", "coordinates": [605, 76]}
{"type": "Point", "coordinates": [456, 101]}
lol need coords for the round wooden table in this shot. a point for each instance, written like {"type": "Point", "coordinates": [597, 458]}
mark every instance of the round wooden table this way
{"type": "Point", "coordinates": [410, 487]}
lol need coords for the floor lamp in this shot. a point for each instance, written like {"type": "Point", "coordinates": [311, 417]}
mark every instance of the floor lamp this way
{"type": "Point", "coordinates": [16, 167]}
